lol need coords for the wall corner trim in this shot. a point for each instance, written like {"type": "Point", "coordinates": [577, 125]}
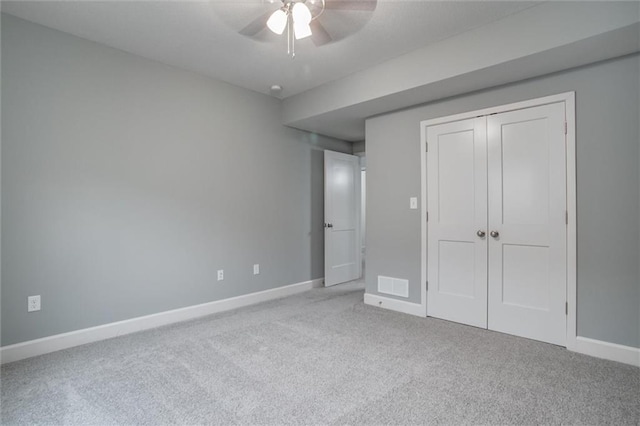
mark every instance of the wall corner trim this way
{"type": "Point", "coordinates": [395, 305]}
{"type": "Point", "coordinates": [611, 351]}
{"type": "Point", "coordinates": [62, 341]}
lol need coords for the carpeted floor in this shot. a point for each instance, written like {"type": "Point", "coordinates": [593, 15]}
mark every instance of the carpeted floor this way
{"type": "Point", "coordinates": [317, 358]}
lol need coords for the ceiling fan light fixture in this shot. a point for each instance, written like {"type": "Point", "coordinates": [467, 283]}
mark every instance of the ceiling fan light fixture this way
{"type": "Point", "coordinates": [301, 30]}
{"type": "Point", "coordinates": [301, 13]}
{"type": "Point", "coordinates": [277, 21]}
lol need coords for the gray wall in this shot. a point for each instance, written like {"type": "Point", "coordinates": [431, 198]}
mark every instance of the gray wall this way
{"type": "Point", "coordinates": [126, 184]}
{"type": "Point", "coordinates": [607, 96]}
{"type": "Point", "coordinates": [359, 147]}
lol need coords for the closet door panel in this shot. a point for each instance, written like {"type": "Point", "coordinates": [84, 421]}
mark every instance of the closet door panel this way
{"type": "Point", "coordinates": [456, 189]}
{"type": "Point", "coordinates": [527, 204]}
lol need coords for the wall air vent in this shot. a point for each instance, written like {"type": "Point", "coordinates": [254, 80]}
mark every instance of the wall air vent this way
{"type": "Point", "coordinates": [394, 286]}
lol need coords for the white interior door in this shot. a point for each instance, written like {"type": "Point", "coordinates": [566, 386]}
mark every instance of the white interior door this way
{"type": "Point", "coordinates": [342, 257]}
{"type": "Point", "coordinates": [527, 225]}
{"type": "Point", "coordinates": [457, 223]}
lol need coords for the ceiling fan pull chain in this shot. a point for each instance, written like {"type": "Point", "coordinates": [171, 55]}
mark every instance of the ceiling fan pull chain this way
{"type": "Point", "coordinates": [288, 35]}
{"type": "Point", "coordinates": [293, 46]}
{"type": "Point", "coordinates": [291, 42]}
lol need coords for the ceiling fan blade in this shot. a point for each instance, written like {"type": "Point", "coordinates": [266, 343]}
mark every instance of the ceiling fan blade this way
{"type": "Point", "coordinates": [319, 34]}
{"type": "Point", "coordinates": [351, 4]}
{"type": "Point", "coordinates": [256, 25]}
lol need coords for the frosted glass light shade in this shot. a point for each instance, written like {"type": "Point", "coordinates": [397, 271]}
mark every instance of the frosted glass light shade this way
{"type": "Point", "coordinates": [301, 14]}
{"type": "Point", "coordinates": [277, 21]}
{"type": "Point", "coordinates": [301, 30]}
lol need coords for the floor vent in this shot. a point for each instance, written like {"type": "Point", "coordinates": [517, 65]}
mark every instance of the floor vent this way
{"type": "Point", "coordinates": [394, 286]}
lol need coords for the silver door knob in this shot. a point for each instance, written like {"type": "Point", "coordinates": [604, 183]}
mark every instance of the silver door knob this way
{"type": "Point", "coordinates": [481, 234]}
{"type": "Point", "coordinates": [494, 234]}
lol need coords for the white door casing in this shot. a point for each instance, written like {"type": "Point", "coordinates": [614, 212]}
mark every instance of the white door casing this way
{"type": "Point", "coordinates": [342, 251]}
{"type": "Point", "coordinates": [457, 248]}
{"type": "Point", "coordinates": [527, 208]}
{"type": "Point", "coordinates": [530, 201]}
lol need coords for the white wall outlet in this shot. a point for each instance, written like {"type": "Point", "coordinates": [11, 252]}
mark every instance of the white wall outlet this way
{"type": "Point", "coordinates": [256, 269]}
{"type": "Point", "coordinates": [33, 303]}
{"type": "Point", "coordinates": [413, 202]}
{"type": "Point", "coordinates": [220, 274]}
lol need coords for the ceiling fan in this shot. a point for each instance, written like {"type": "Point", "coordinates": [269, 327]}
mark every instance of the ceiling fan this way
{"type": "Point", "coordinates": [299, 18]}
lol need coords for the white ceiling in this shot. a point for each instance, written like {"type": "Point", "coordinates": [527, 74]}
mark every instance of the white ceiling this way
{"type": "Point", "coordinates": [202, 36]}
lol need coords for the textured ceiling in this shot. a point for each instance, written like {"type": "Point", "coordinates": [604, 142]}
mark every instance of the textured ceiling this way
{"type": "Point", "coordinates": [202, 36]}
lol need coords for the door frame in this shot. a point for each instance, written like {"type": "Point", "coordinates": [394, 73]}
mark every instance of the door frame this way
{"type": "Point", "coordinates": [570, 138]}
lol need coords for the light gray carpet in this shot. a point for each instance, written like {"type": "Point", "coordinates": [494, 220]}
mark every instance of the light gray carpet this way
{"type": "Point", "coordinates": [316, 358]}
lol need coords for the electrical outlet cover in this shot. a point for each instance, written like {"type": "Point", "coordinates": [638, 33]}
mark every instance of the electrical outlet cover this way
{"type": "Point", "coordinates": [33, 303]}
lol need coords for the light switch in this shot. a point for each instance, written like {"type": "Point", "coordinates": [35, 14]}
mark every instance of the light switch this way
{"type": "Point", "coordinates": [413, 202]}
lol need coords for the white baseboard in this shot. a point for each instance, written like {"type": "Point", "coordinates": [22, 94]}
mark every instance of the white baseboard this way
{"type": "Point", "coordinates": [395, 305]}
{"type": "Point", "coordinates": [93, 334]}
{"type": "Point", "coordinates": [606, 350]}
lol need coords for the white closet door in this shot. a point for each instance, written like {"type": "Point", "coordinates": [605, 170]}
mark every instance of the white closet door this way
{"type": "Point", "coordinates": [527, 205]}
{"type": "Point", "coordinates": [457, 206]}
